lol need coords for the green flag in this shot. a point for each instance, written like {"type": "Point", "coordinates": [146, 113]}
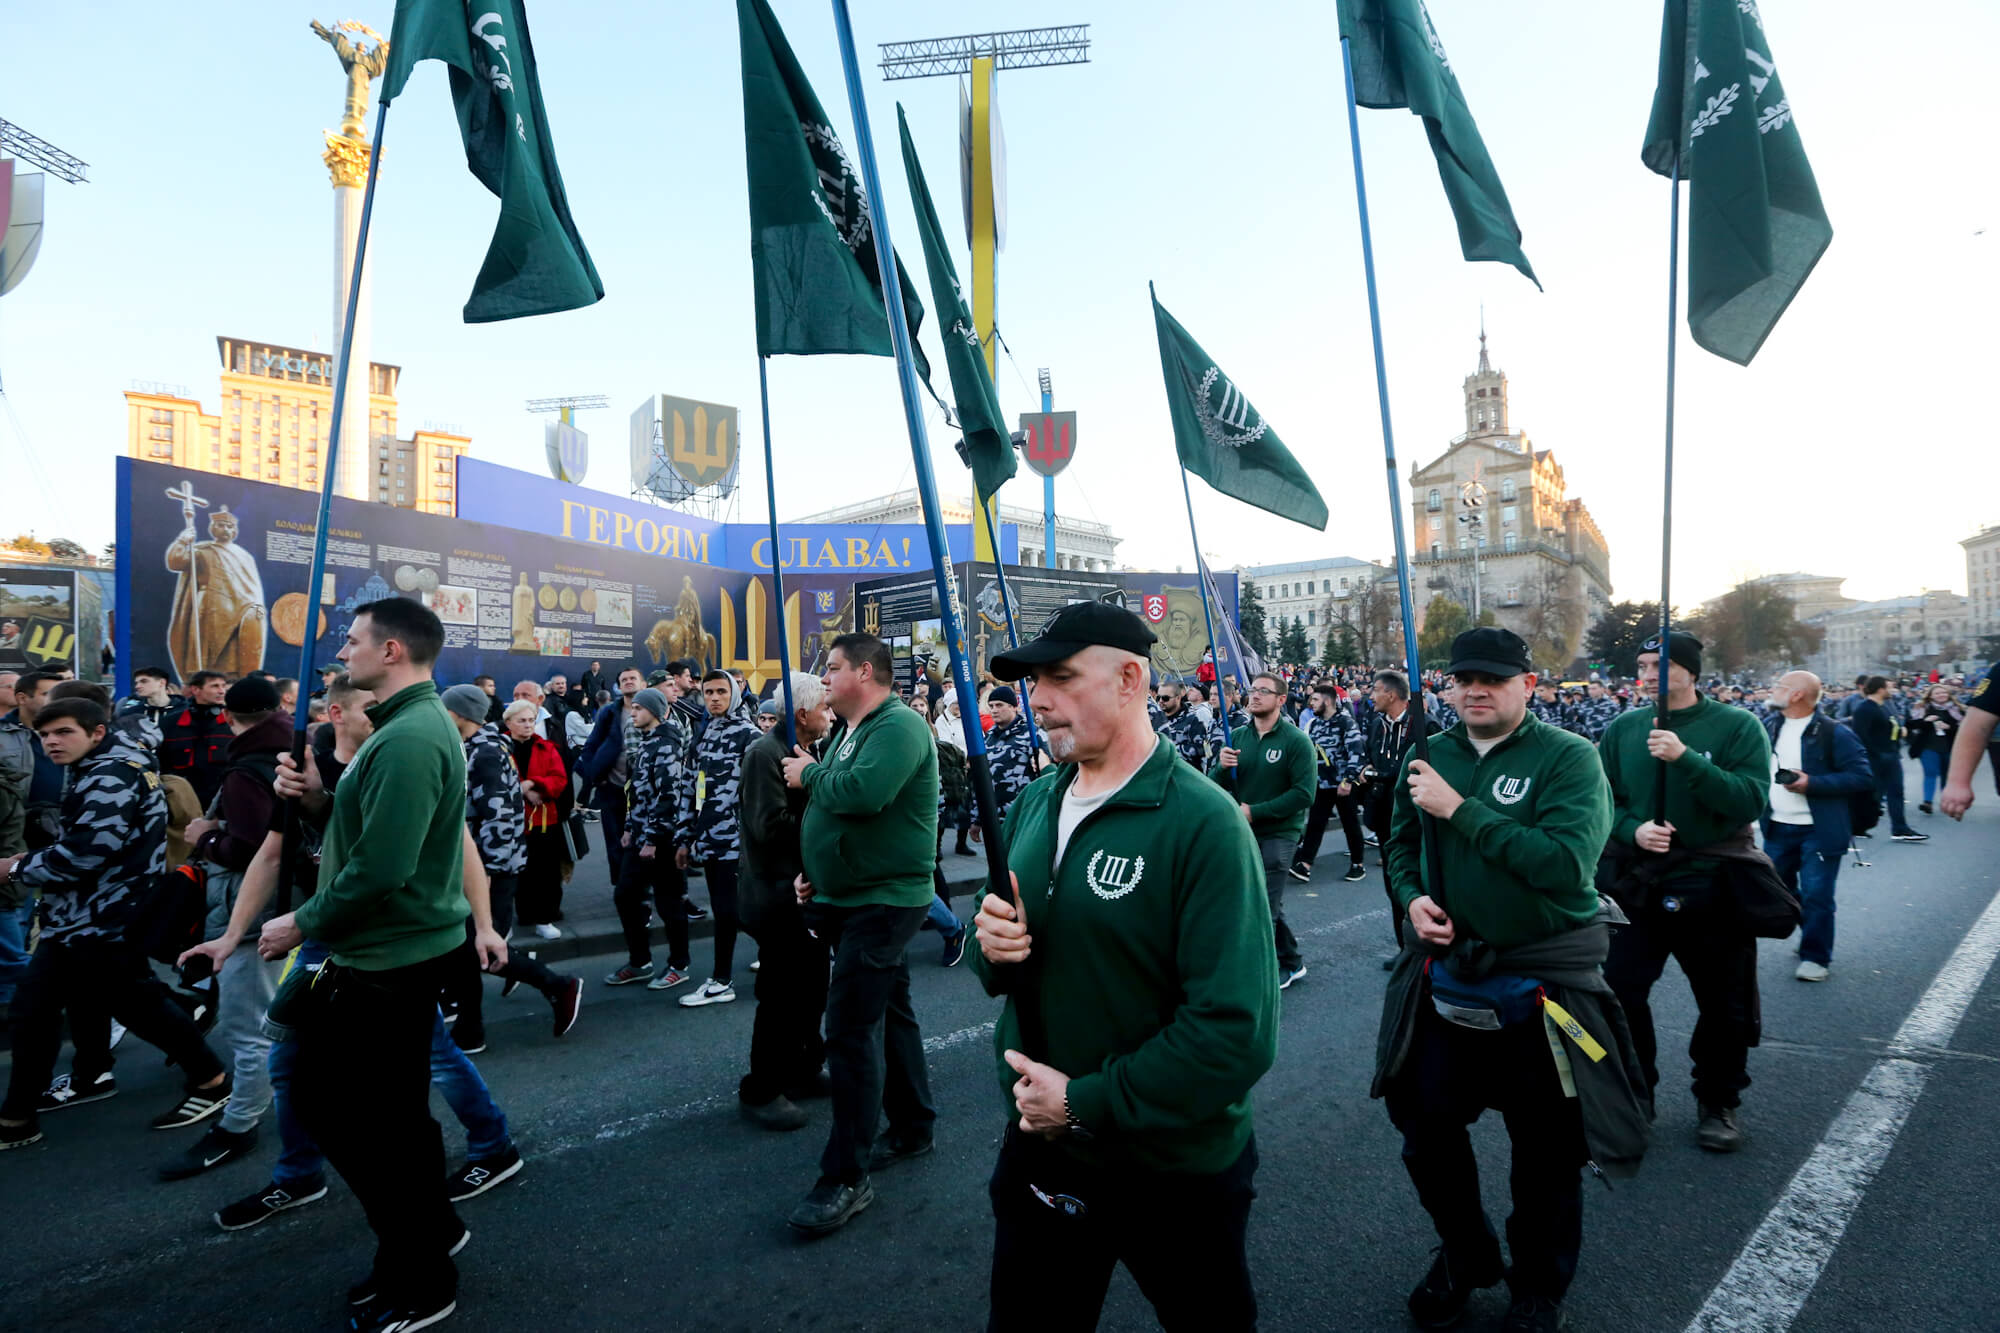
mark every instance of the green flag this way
{"type": "Point", "coordinates": [812, 244]}
{"type": "Point", "coordinates": [989, 445]}
{"type": "Point", "coordinates": [536, 263]}
{"type": "Point", "coordinates": [1399, 61]}
{"type": "Point", "coordinates": [1225, 441]}
{"type": "Point", "coordinates": [1756, 226]}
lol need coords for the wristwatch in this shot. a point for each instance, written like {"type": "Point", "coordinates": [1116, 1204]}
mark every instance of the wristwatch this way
{"type": "Point", "coordinates": [1076, 1128]}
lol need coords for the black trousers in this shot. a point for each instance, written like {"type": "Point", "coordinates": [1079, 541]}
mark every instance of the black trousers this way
{"type": "Point", "coordinates": [874, 1048]}
{"type": "Point", "coordinates": [467, 985]}
{"type": "Point", "coordinates": [1325, 804]}
{"type": "Point", "coordinates": [785, 1046]}
{"type": "Point", "coordinates": [1061, 1226]}
{"type": "Point", "coordinates": [1452, 1076]}
{"type": "Point", "coordinates": [361, 1086]}
{"type": "Point", "coordinates": [95, 980]}
{"type": "Point", "coordinates": [611, 819]}
{"type": "Point", "coordinates": [1378, 802]}
{"type": "Point", "coordinates": [644, 883]}
{"type": "Point", "coordinates": [538, 895]}
{"type": "Point", "coordinates": [1719, 960]}
{"type": "Point", "coordinates": [720, 877]}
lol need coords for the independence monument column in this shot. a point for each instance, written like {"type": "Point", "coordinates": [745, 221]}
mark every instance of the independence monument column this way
{"type": "Point", "coordinates": [363, 54]}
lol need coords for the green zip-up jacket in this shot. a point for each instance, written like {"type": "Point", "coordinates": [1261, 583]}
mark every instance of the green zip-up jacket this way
{"type": "Point", "coordinates": [1520, 855]}
{"type": "Point", "coordinates": [869, 835]}
{"type": "Point", "coordinates": [1152, 957]}
{"type": "Point", "coordinates": [390, 887]}
{"type": "Point", "coordinates": [1276, 776]}
{"type": "Point", "coordinates": [1718, 786]}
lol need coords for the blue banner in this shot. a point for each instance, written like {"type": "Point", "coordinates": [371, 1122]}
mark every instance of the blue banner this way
{"type": "Point", "coordinates": [489, 493]}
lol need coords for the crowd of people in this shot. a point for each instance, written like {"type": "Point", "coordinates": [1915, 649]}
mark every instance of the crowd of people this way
{"type": "Point", "coordinates": [329, 922]}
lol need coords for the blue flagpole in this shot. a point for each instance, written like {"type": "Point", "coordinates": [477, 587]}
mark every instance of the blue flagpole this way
{"type": "Point", "coordinates": [1208, 615]}
{"type": "Point", "coordinates": [998, 879]}
{"type": "Point", "coordinates": [316, 573]}
{"type": "Point", "coordinates": [1667, 508]}
{"type": "Point", "coordinates": [1421, 742]}
{"type": "Point", "coordinates": [777, 556]}
{"type": "Point", "coordinates": [1013, 637]}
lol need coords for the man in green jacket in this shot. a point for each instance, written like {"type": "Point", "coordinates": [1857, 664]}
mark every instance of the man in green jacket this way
{"type": "Point", "coordinates": [867, 842]}
{"type": "Point", "coordinates": [1273, 771]}
{"type": "Point", "coordinates": [1143, 938]}
{"type": "Point", "coordinates": [1520, 811]}
{"type": "Point", "coordinates": [391, 907]}
{"type": "Point", "coordinates": [1716, 763]}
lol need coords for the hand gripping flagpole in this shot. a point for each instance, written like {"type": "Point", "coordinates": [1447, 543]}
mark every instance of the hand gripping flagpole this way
{"type": "Point", "coordinates": [1027, 1004]}
{"type": "Point", "coordinates": [1207, 615]}
{"type": "Point", "coordinates": [1433, 860]}
{"type": "Point", "coordinates": [288, 859]}
{"type": "Point", "coordinates": [777, 557]}
{"type": "Point", "coordinates": [1667, 505]}
{"type": "Point", "coordinates": [1013, 636]}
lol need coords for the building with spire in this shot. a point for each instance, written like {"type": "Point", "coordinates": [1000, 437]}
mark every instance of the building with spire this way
{"type": "Point", "coordinates": [1496, 529]}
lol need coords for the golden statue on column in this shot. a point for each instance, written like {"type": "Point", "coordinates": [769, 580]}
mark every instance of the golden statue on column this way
{"type": "Point", "coordinates": [347, 150]}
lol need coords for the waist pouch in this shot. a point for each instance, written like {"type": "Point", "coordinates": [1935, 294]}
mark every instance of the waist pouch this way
{"type": "Point", "coordinates": [302, 996]}
{"type": "Point", "coordinates": [1489, 1004]}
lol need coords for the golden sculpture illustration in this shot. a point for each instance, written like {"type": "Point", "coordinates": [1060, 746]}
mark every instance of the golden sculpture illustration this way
{"type": "Point", "coordinates": [523, 623]}
{"type": "Point", "coordinates": [218, 617]}
{"type": "Point", "coordinates": [683, 635]}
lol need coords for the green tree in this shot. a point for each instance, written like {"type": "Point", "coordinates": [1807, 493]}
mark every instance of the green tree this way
{"type": "Point", "coordinates": [1250, 619]}
{"type": "Point", "coordinates": [1614, 640]}
{"type": "Point", "coordinates": [1340, 648]}
{"type": "Point", "coordinates": [1444, 620]}
{"type": "Point", "coordinates": [1292, 641]}
{"type": "Point", "coordinates": [1753, 625]}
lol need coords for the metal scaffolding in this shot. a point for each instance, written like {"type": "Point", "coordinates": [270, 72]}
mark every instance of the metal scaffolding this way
{"type": "Point", "coordinates": [1024, 48]}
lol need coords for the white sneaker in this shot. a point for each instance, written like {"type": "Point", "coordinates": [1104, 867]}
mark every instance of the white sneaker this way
{"type": "Point", "coordinates": [1810, 971]}
{"type": "Point", "coordinates": [711, 992]}
{"type": "Point", "coordinates": [548, 931]}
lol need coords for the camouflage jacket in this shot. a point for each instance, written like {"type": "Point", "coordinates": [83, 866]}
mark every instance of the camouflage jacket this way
{"type": "Point", "coordinates": [1011, 759]}
{"type": "Point", "coordinates": [1238, 721]}
{"type": "Point", "coordinates": [1189, 735]}
{"type": "Point", "coordinates": [711, 789]}
{"type": "Point", "coordinates": [1551, 712]}
{"type": "Point", "coordinates": [1155, 714]}
{"type": "Point", "coordinates": [113, 844]}
{"type": "Point", "coordinates": [652, 783]}
{"type": "Point", "coordinates": [494, 808]}
{"type": "Point", "coordinates": [1339, 742]}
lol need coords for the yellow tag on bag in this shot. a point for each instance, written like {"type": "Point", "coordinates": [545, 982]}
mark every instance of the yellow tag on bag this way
{"type": "Point", "coordinates": [1573, 1030]}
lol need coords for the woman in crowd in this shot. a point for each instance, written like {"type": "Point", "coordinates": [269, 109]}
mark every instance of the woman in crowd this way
{"type": "Point", "coordinates": [538, 901]}
{"type": "Point", "coordinates": [1934, 719]}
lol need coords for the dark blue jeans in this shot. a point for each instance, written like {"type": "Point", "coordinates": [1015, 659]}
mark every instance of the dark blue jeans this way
{"type": "Point", "coordinates": [1888, 771]}
{"type": "Point", "coordinates": [1810, 875]}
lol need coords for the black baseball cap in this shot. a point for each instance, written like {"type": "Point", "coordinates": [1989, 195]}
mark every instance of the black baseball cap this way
{"type": "Point", "coordinates": [1490, 650]}
{"type": "Point", "coordinates": [1078, 626]}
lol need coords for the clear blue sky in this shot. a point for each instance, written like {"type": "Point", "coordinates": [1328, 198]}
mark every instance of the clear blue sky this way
{"type": "Point", "coordinates": [1202, 148]}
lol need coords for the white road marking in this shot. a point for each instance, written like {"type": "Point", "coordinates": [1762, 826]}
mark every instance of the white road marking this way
{"type": "Point", "coordinates": [1768, 1285]}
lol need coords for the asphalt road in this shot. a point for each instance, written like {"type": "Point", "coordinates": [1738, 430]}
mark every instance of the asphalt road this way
{"type": "Point", "coordinates": [647, 1202]}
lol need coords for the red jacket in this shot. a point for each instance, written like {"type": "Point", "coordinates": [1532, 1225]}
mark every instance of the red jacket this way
{"type": "Point", "coordinates": [547, 778]}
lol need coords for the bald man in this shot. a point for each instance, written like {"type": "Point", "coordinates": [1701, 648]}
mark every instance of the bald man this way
{"type": "Point", "coordinates": [1817, 765]}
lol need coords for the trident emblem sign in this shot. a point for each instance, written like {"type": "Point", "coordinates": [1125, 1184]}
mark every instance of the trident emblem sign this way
{"type": "Point", "coordinates": [1051, 441]}
{"type": "Point", "coordinates": [704, 455]}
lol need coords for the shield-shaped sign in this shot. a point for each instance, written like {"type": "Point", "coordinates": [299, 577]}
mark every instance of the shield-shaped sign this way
{"type": "Point", "coordinates": [1154, 607]}
{"type": "Point", "coordinates": [700, 440]}
{"type": "Point", "coordinates": [1051, 440]}
{"type": "Point", "coordinates": [568, 450]}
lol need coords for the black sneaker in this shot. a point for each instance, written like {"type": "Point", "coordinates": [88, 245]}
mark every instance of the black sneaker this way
{"type": "Point", "coordinates": [1287, 977]}
{"type": "Point", "coordinates": [217, 1146]}
{"type": "Point", "coordinates": [954, 948]}
{"type": "Point", "coordinates": [402, 1318]}
{"type": "Point", "coordinates": [469, 1039]}
{"type": "Point", "coordinates": [780, 1113]}
{"type": "Point", "coordinates": [1441, 1297]}
{"type": "Point", "coordinates": [269, 1202]}
{"type": "Point", "coordinates": [1301, 871]}
{"type": "Point", "coordinates": [1534, 1314]}
{"type": "Point", "coordinates": [831, 1206]}
{"type": "Point", "coordinates": [1355, 870]}
{"type": "Point", "coordinates": [19, 1136]}
{"type": "Point", "coordinates": [1924, 806]}
{"type": "Point", "coordinates": [481, 1174]}
{"type": "Point", "coordinates": [694, 913]}
{"type": "Point", "coordinates": [567, 1004]}
{"type": "Point", "coordinates": [1909, 835]}
{"type": "Point", "coordinates": [509, 986]}
{"type": "Point", "coordinates": [67, 1092]}
{"type": "Point", "coordinates": [196, 1105]}
{"type": "Point", "coordinates": [893, 1148]}
{"type": "Point", "coordinates": [366, 1292]}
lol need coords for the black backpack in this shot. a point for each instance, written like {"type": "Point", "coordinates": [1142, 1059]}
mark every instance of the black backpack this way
{"type": "Point", "coordinates": [169, 915]}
